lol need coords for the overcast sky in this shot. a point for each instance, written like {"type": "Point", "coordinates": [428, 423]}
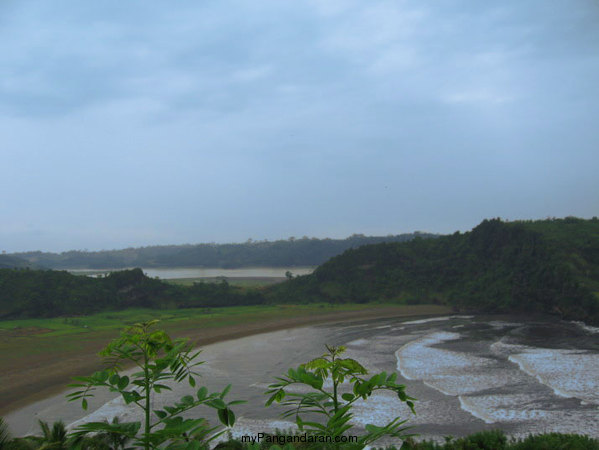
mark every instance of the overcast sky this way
{"type": "Point", "coordinates": [145, 122]}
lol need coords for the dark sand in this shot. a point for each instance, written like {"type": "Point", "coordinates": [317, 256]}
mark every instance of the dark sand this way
{"type": "Point", "coordinates": [28, 392]}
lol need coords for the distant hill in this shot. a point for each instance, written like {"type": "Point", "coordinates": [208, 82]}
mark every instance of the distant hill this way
{"type": "Point", "coordinates": [282, 253]}
{"type": "Point", "coordinates": [549, 266]}
{"type": "Point", "coordinates": [11, 261]}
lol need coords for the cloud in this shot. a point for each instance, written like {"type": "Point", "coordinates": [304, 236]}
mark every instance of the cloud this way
{"type": "Point", "coordinates": [220, 112]}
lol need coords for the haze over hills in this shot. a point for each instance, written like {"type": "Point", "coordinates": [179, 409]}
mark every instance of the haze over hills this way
{"type": "Point", "coordinates": [281, 253]}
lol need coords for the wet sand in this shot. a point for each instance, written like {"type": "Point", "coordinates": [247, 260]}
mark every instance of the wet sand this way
{"type": "Point", "coordinates": [37, 399]}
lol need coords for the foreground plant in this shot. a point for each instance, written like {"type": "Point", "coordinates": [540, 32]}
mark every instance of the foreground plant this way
{"type": "Point", "coordinates": [333, 406]}
{"type": "Point", "coordinates": [160, 360]}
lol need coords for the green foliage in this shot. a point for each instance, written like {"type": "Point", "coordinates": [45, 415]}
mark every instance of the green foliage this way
{"type": "Point", "coordinates": [160, 360]}
{"type": "Point", "coordinates": [549, 266]}
{"type": "Point", "coordinates": [54, 438]}
{"type": "Point", "coordinates": [4, 434]}
{"type": "Point", "coordinates": [545, 267]}
{"type": "Point", "coordinates": [48, 293]}
{"type": "Point", "coordinates": [334, 406]}
{"type": "Point", "coordinates": [496, 440]}
{"type": "Point", "coordinates": [556, 441]}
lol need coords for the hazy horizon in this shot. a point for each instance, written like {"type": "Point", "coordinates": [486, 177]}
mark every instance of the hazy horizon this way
{"type": "Point", "coordinates": [175, 244]}
{"type": "Point", "coordinates": [127, 125]}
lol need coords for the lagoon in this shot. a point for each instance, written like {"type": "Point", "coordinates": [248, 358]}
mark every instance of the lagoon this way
{"type": "Point", "coordinates": [205, 272]}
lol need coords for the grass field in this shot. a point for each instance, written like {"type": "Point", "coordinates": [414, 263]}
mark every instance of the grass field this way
{"type": "Point", "coordinates": [38, 357]}
{"type": "Point", "coordinates": [38, 329]}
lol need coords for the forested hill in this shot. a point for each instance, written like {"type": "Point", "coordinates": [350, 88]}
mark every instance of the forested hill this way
{"type": "Point", "coordinates": [51, 293]}
{"type": "Point", "coordinates": [282, 253]}
{"type": "Point", "coordinates": [10, 261]}
{"type": "Point", "coordinates": [547, 266]}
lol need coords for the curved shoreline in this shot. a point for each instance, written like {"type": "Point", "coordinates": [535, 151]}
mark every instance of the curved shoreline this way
{"type": "Point", "coordinates": [23, 386]}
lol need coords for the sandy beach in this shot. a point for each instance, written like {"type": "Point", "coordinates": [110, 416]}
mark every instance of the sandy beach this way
{"type": "Point", "coordinates": [29, 390]}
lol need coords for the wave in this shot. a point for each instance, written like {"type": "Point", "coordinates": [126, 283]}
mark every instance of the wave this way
{"type": "Point", "coordinates": [449, 372]}
{"type": "Point", "coordinates": [585, 327]}
{"type": "Point", "coordinates": [435, 319]}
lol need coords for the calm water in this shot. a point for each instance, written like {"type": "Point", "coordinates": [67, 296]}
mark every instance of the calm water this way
{"type": "Point", "coordinates": [245, 272]}
{"type": "Point", "coordinates": [468, 374]}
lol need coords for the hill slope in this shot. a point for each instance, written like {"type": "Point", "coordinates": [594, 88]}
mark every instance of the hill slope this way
{"type": "Point", "coordinates": [544, 266]}
{"type": "Point", "coordinates": [51, 293]}
{"type": "Point", "coordinates": [13, 262]}
{"type": "Point", "coordinates": [282, 253]}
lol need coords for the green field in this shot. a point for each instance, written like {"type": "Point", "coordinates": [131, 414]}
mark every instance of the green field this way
{"type": "Point", "coordinates": [171, 318]}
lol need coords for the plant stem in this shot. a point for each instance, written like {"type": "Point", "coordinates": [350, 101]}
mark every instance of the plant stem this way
{"type": "Point", "coordinates": [333, 376]}
{"type": "Point", "coordinates": [147, 407]}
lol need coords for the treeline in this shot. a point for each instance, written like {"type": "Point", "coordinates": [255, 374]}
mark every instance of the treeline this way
{"type": "Point", "coordinates": [547, 266]}
{"type": "Point", "coordinates": [51, 293]}
{"type": "Point", "coordinates": [282, 253]}
{"type": "Point", "coordinates": [10, 261]}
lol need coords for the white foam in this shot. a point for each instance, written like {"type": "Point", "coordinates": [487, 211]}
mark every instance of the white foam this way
{"type": "Point", "coordinates": [435, 319]}
{"type": "Point", "coordinates": [585, 327]}
{"type": "Point", "coordinates": [502, 408]}
{"type": "Point", "coordinates": [569, 373]}
{"type": "Point", "coordinates": [451, 373]}
{"type": "Point", "coordinates": [358, 342]}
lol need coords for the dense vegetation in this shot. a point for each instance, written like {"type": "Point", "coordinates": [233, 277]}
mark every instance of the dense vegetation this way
{"type": "Point", "coordinates": [11, 262]}
{"type": "Point", "coordinates": [50, 293]}
{"type": "Point", "coordinates": [283, 253]}
{"type": "Point", "coordinates": [549, 266]}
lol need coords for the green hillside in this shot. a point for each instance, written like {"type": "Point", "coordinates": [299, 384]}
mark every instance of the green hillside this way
{"type": "Point", "coordinates": [11, 262]}
{"type": "Point", "coordinates": [51, 293]}
{"type": "Point", "coordinates": [549, 266]}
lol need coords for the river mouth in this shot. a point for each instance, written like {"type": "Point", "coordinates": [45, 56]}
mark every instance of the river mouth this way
{"type": "Point", "coordinates": [468, 374]}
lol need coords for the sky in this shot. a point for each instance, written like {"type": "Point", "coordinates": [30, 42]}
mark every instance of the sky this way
{"type": "Point", "coordinates": [139, 123]}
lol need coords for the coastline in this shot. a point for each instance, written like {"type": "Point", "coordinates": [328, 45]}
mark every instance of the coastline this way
{"type": "Point", "coordinates": [25, 385]}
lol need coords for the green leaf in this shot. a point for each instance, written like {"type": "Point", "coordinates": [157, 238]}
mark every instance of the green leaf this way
{"type": "Point", "coordinates": [348, 397]}
{"type": "Point", "coordinates": [225, 391]}
{"type": "Point", "coordinates": [123, 382]}
{"type": "Point", "coordinates": [202, 392]}
{"type": "Point", "coordinates": [192, 381]}
{"type": "Point", "coordinates": [230, 417]}
{"type": "Point", "coordinates": [84, 404]}
{"type": "Point", "coordinates": [217, 403]}
{"type": "Point", "coordinates": [101, 376]}
{"type": "Point", "coordinates": [223, 416]}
